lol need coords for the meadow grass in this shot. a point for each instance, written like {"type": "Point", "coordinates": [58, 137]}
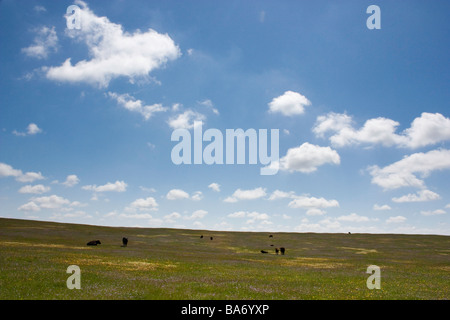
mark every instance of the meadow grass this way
{"type": "Point", "coordinates": [176, 264]}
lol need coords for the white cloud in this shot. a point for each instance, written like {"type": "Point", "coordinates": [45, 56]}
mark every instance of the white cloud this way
{"type": "Point", "coordinates": [433, 213]}
{"type": "Point", "coordinates": [29, 177]}
{"type": "Point", "coordinates": [30, 206]}
{"type": "Point", "coordinates": [278, 194]}
{"type": "Point", "coordinates": [36, 189]}
{"type": "Point", "coordinates": [397, 219]}
{"type": "Point", "coordinates": [198, 214]}
{"type": "Point", "coordinates": [307, 157]}
{"type": "Point", "coordinates": [71, 180]}
{"type": "Point", "coordinates": [353, 217]}
{"type": "Point", "coordinates": [214, 186]}
{"type": "Point", "coordinates": [331, 122]}
{"type": "Point", "coordinates": [118, 186]}
{"type": "Point", "coordinates": [32, 129]}
{"type": "Point", "coordinates": [209, 104]}
{"type": "Point", "coordinates": [253, 216]}
{"type": "Point", "coordinates": [197, 196]}
{"type": "Point", "coordinates": [133, 105]}
{"type": "Point", "coordinates": [428, 129]}
{"type": "Point", "coordinates": [312, 202]}
{"type": "Point", "coordinates": [39, 9]}
{"type": "Point", "coordinates": [290, 103]}
{"type": "Point", "coordinates": [46, 41]}
{"type": "Point", "coordinates": [171, 218]}
{"type": "Point", "coordinates": [7, 171]}
{"type": "Point", "coordinates": [147, 204]}
{"type": "Point", "coordinates": [402, 173]}
{"type": "Point", "coordinates": [422, 195]}
{"type": "Point", "coordinates": [237, 214]}
{"type": "Point", "coordinates": [176, 194]}
{"type": "Point", "coordinates": [251, 194]}
{"type": "Point", "coordinates": [113, 52]}
{"type": "Point", "coordinates": [381, 208]}
{"type": "Point", "coordinates": [49, 202]}
{"type": "Point", "coordinates": [135, 216]}
{"type": "Point", "coordinates": [185, 120]}
{"type": "Point", "coordinates": [315, 212]}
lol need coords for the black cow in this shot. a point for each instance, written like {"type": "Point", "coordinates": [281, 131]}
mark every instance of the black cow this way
{"type": "Point", "coordinates": [271, 236]}
{"type": "Point", "coordinates": [277, 250]}
{"type": "Point", "coordinates": [201, 237]}
{"type": "Point", "coordinates": [94, 243]}
{"type": "Point", "coordinates": [263, 251]}
{"type": "Point", "coordinates": [124, 241]}
{"type": "Point", "coordinates": [210, 238]}
{"type": "Point", "coordinates": [282, 250]}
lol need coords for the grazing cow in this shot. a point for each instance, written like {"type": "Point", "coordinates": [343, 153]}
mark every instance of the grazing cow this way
{"type": "Point", "coordinates": [277, 250]}
{"type": "Point", "coordinates": [210, 238]}
{"type": "Point", "coordinates": [201, 237]}
{"type": "Point", "coordinates": [125, 241]}
{"type": "Point", "coordinates": [282, 250]}
{"type": "Point", "coordinates": [263, 251]}
{"type": "Point", "coordinates": [271, 236]}
{"type": "Point", "coordinates": [94, 243]}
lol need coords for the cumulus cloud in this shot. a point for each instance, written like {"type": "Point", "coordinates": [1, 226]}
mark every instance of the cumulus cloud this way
{"type": "Point", "coordinates": [382, 207]}
{"type": "Point", "coordinates": [433, 213]}
{"type": "Point", "coordinates": [134, 105]}
{"type": "Point", "coordinates": [315, 212]}
{"type": "Point", "coordinates": [253, 216]}
{"type": "Point", "coordinates": [396, 219]}
{"type": "Point", "coordinates": [32, 129]}
{"type": "Point", "coordinates": [45, 42]}
{"type": "Point", "coordinates": [71, 180]}
{"type": "Point", "coordinates": [251, 194]}
{"type": "Point", "coordinates": [214, 186]}
{"type": "Point", "coordinates": [307, 158]}
{"type": "Point", "coordinates": [353, 217]}
{"type": "Point", "coordinates": [278, 194]}
{"type": "Point", "coordinates": [428, 129]}
{"type": "Point", "coordinates": [197, 214]}
{"type": "Point", "coordinates": [113, 52]}
{"type": "Point", "coordinates": [185, 120]}
{"type": "Point", "coordinates": [118, 186]}
{"type": "Point", "coordinates": [52, 202]}
{"type": "Point", "coordinates": [147, 204]}
{"type": "Point", "coordinates": [136, 215]}
{"type": "Point", "coordinates": [197, 196]}
{"type": "Point", "coordinates": [403, 172]}
{"type": "Point", "coordinates": [36, 189]}
{"type": "Point", "coordinates": [422, 195]}
{"type": "Point", "coordinates": [171, 218]}
{"type": "Point", "coordinates": [289, 104]}
{"type": "Point", "coordinates": [312, 202]}
{"type": "Point", "coordinates": [8, 171]}
{"type": "Point", "coordinates": [176, 194]}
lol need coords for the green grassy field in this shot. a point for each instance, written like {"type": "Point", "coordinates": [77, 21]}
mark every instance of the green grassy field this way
{"type": "Point", "coordinates": [177, 264]}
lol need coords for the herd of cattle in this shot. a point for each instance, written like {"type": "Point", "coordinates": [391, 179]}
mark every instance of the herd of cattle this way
{"type": "Point", "coordinates": [281, 250]}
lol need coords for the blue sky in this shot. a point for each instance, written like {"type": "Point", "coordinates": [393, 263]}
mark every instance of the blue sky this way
{"type": "Point", "coordinates": [86, 115]}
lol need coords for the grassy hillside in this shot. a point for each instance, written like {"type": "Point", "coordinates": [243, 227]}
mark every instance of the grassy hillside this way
{"type": "Point", "coordinates": [177, 264]}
